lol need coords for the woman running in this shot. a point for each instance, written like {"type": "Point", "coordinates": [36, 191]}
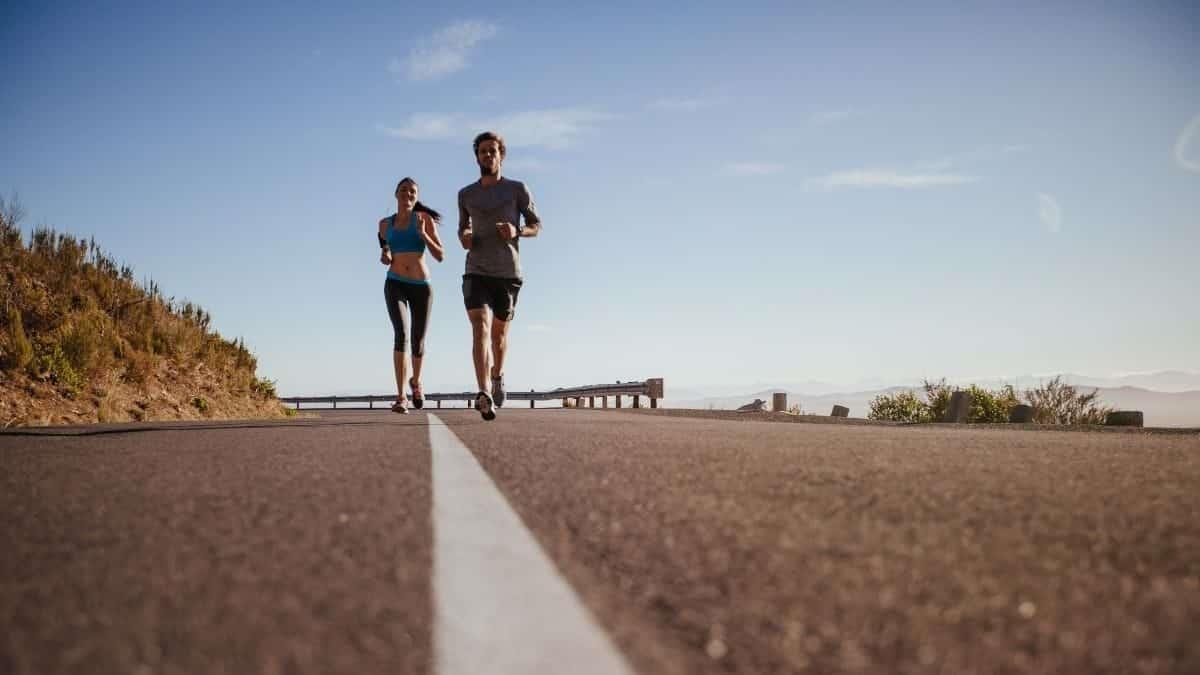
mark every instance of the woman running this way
{"type": "Point", "coordinates": [403, 238]}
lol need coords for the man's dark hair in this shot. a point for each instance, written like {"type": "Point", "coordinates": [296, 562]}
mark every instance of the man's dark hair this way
{"type": "Point", "coordinates": [489, 136]}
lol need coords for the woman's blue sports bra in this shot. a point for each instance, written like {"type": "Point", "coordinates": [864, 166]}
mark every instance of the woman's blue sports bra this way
{"type": "Point", "coordinates": [408, 240]}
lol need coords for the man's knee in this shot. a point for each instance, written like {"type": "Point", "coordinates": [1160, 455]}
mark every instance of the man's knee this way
{"type": "Point", "coordinates": [479, 324]}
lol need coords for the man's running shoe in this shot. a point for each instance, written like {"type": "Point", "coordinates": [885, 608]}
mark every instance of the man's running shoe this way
{"type": "Point", "coordinates": [418, 397]}
{"type": "Point", "coordinates": [485, 405]}
{"type": "Point", "coordinates": [498, 391]}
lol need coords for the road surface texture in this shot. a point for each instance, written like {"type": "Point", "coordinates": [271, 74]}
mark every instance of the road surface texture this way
{"type": "Point", "coordinates": [694, 545]}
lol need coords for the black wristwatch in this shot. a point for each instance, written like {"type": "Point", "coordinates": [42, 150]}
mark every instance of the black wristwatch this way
{"type": "Point", "coordinates": [520, 227]}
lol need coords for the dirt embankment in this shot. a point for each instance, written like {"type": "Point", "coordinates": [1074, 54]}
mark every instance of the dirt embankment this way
{"type": "Point", "coordinates": [171, 393]}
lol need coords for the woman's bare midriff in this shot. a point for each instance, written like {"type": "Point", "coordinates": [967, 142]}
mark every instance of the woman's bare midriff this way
{"type": "Point", "coordinates": [409, 265]}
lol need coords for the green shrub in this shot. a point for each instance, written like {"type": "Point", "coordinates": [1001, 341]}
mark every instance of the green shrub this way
{"type": "Point", "coordinates": [200, 404]}
{"type": "Point", "coordinates": [986, 405]}
{"type": "Point", "coordinates": [937, 398]}
{"type": "Point", "coordinates": [263, 387]}
{"type": "Point", "coordinates": [902, 406]}
{"type": "Point", "coordinates": [57, 367]}
{"type": "Point", "coordinates": [989, 406]}
{"type": "Point", "coordinates": [82, 346]}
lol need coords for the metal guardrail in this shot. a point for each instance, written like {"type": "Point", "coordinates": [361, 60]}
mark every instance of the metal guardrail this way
{"type": "Point", "coordinates": [651, 389]}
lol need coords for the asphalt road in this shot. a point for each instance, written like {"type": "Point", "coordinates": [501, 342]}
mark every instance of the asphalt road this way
{"type": "Point", "coordinates": [697, 545]}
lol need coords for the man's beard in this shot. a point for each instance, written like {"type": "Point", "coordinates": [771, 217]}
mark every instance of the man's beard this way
{"type": "Point", "coordinates": [484, 171]}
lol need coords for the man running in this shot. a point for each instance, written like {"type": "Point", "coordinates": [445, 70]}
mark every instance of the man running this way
{"type": "Point", "coordinates": [490, 228]}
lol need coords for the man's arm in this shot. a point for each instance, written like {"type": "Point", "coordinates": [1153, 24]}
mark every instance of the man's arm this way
{"type": "Point", "coordinates": [533, 222]}
{"type": "Point", "coordinates": [465, 232]}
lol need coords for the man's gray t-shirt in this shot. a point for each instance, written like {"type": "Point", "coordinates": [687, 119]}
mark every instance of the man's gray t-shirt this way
{"type": "Point", "coordinates": [480, 208]}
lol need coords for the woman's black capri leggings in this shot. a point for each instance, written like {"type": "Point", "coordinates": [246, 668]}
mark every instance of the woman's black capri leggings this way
{"type": "Point", "coordinates": [418, 298]}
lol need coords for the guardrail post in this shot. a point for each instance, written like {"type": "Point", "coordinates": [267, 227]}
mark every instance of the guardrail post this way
{"type": "Point", "coordinates": [591, 401]}
{"type": "Point", "coordinates": [371, 403]}
{"type": "Point", "coordinates": [439, 404]}
{"type": "Point", "coordinates": [335, 403]}
{"type": "Point", "coordinates": [1124, 418]}
{"type": "Point", "coordinates": [960, 407]}
{"type": "Point", "coordinates": [653, 403]}
{"type": "Point", "coordinates": [637, 401]}
{"type": "Point", "coordinates": [618, 397]}
{"type": "Point", "coordinates": [531, 404]}
{"type": "Point", "coordinates": [604, 401]}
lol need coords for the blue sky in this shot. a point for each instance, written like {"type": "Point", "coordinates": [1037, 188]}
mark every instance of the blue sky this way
{"type": "Point", "coordinates": [733, 194]}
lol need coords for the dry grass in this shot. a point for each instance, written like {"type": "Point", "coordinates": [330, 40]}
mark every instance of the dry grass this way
{"type": "Point", "coordinates": [74, 318]}
{"type": "Point", "coordinates": [1057, 403]}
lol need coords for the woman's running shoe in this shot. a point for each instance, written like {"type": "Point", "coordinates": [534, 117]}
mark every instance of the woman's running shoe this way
{"type": "Point", "coordinates": [400, 406]}
{"type": "Point", "coordinates": [418, 396]}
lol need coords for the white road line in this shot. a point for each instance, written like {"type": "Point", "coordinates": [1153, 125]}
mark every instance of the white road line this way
{"type": "Point", "coordinates": [501, 607]}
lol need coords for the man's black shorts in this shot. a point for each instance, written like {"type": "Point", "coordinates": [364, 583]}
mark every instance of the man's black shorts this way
{"type": "Point", "coordinates": [495, 292]}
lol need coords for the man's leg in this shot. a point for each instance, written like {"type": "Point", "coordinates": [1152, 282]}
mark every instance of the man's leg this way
{"type": "Point", "coordinates": [499, 346]}
{"type": "Point", "coordinates": [481, 345]}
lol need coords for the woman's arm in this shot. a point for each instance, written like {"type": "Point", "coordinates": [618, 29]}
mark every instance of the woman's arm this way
{"type": "Point", "coordinates": [430, 234]}
{"type": "Point", "coordinates": [385, 253]}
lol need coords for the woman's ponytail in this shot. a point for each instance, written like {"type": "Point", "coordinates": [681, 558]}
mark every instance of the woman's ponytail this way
{"type": "Point", "coordinates": [421, 208]}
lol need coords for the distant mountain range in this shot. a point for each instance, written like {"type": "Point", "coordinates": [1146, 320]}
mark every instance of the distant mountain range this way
{"type": "Point", "coordinates": [1168, 399]}
{"type": "Point", "coordinates": [1166, 381]}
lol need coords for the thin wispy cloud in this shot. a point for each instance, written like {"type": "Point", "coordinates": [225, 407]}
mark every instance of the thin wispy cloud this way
{"type": "Point", "coordinates": [445, 52]}
{"type": "Point", "coordinates": [426, 127]}
{"type": "Point", "coordinates": [885, 178]}
{"type": "Point", "coordinates": [684, 104]}
{"type": "Point", "coordinates": [524, 164]}
{"type": "Point", "coordinates": [753, 168]}
{"type": "Point", "coordinates": [943, 171]}
{"type": "Point", "coordinates": [1049, 212]}
{"type": "Point", "coordinates": [555, 128]}
{"type": "Point", "coordinates": [1013, 149]}
{"type": "Point", "coordinates": [1187, 155]}
{"type": "Point", "coordinates": [538, 328]}
{"type": "Point", "coordinates": [984, 154]}
{"type": "Point", "coordinates": [827, 117]}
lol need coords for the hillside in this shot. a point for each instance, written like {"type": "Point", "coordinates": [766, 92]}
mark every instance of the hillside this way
{"type": "Point", "coordinates": [82, 342]}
